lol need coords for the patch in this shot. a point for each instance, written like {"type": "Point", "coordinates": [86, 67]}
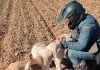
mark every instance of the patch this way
{"type": "Point", "coordinates": [86, 27]}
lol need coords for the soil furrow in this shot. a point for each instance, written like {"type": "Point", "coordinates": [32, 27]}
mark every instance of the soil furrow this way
{"type": "Point", "coordinates": [48, 32]}
{"type": "Point", "coordinates": [25, 22]}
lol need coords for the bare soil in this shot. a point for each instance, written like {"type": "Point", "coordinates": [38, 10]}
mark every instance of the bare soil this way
{"type": "Point", "coordinates": [25, 22]}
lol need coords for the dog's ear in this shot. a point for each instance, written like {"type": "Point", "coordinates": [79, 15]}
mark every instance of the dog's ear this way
{"type": "Point", "coordinates": [37, 63]}
{"type": "Point", "coordinates": [39, 60]}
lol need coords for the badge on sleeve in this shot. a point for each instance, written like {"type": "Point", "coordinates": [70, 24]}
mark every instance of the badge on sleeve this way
{"type": "Point", "coordinates": [86, 27]}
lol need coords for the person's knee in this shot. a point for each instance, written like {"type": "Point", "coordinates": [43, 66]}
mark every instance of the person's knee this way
{"type": "Point", "coordinates": [71, 53]}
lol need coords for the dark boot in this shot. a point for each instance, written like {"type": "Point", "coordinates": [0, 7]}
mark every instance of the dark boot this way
{"type": "Point", "coordinates": [81, 66]}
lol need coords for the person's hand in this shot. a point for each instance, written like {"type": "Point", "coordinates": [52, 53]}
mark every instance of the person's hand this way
{"type": "Point", "coordinates": [59, 40]}
{"type": "Point", "coordinates": [66, 37]}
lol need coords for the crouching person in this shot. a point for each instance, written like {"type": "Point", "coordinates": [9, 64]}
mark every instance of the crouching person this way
{"type": "Point", "coordinates": [86, 32]}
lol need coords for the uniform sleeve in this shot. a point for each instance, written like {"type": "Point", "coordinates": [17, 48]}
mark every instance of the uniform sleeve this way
{"type": "Point", "coordinates": [75, 34]}
{"type": "Point", "coordinates": [85, 35]}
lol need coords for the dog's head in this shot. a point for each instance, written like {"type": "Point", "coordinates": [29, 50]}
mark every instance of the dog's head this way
{"type": "Point", "coordinates": [34, 64]}
{"type": "Point", "coordinates": [56, 49]}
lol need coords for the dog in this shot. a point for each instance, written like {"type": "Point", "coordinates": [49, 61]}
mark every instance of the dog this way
{"type": "Point", "coordinates": [32, 64]}
{"type": "Point", "coordinates": [18, 65]}
{"type": "Point", "coordinates": [48, 53]}
{"type": "Point", "coordinates": [52, 51]}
